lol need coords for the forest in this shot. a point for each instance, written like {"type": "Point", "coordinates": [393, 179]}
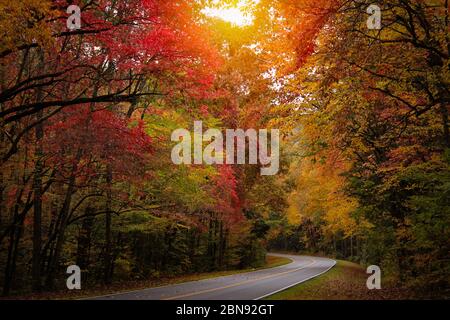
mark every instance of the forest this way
{"type": "Point", "coordinates": [87, 114]}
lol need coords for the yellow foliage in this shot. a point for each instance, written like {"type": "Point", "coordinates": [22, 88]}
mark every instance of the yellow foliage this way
{"type": "Point", "coordinates": [24, 22]}
{"type": "Point", "coordinates": [320, 196]}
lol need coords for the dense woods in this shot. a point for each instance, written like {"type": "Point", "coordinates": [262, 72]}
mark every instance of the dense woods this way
{"type": "Point", "coordinates": [370, 109]}
{"type": "Point", "coordinates": [86, 175]}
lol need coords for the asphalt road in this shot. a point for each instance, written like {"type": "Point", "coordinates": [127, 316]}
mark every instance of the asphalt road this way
{"type": "Point", "coordinates": [245, 286]}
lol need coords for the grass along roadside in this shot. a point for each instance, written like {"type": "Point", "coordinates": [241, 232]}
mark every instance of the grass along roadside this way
{"type": "Point", "coordinates": [345, 281]}
{"type": "Point", "coordinates": [122, 287]}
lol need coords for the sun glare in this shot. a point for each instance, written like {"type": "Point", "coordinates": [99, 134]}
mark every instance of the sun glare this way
{"type": "Point", "coordinates": [235, 15]}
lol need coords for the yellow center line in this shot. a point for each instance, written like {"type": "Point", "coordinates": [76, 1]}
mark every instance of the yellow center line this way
{"type": "Point", "coordinates": [239, 283]}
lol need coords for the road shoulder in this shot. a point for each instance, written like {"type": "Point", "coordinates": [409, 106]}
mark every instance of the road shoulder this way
{"type": "Point", "coordinates": [346, 281]}
{"type": "Point", "coordinates": [130, 286]}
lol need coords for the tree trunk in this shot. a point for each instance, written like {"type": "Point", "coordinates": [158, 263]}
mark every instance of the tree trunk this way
{"type": "Point", "coordinates": [64, 215]}
{"type": "Point", "coordinates": [446, 131]}
{"type": "Point", "coordinates": [8, 267]}
{"type": "Point", "coordinates": [84, 239]}
{"type": "Point", "coordinates": [14, 240]}
{"type": "Point", "coordinates": [2, 189]}
{"type": "Point", "coordinates": [221, 245]}
{"type": "Point", "coordinates": [108, 232]}
{"type": "Point", "coordinates": [351, 246]}
{"type": "Point", "coordinates": [37, 190]}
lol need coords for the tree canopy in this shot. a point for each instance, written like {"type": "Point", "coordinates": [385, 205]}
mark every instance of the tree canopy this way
{"type": "Point", "coordinates": [87, 115]}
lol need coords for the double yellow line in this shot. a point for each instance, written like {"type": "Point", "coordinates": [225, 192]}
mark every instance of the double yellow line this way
{"type": "Point", "coordinates": [239, 283]}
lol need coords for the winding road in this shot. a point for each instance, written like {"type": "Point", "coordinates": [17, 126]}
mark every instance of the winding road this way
{"type": "Point", "coordinates": [244, 286]}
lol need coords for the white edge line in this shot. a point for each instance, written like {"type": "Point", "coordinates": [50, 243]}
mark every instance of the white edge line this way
{"type": "Point", "coordinates": [293, 285]}
{"type": "Point", "coordinates": [174, 284]}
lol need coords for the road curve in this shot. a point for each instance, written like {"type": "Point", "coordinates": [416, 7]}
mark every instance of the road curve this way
{"type": "Point", "coordinates": [245, 286]}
